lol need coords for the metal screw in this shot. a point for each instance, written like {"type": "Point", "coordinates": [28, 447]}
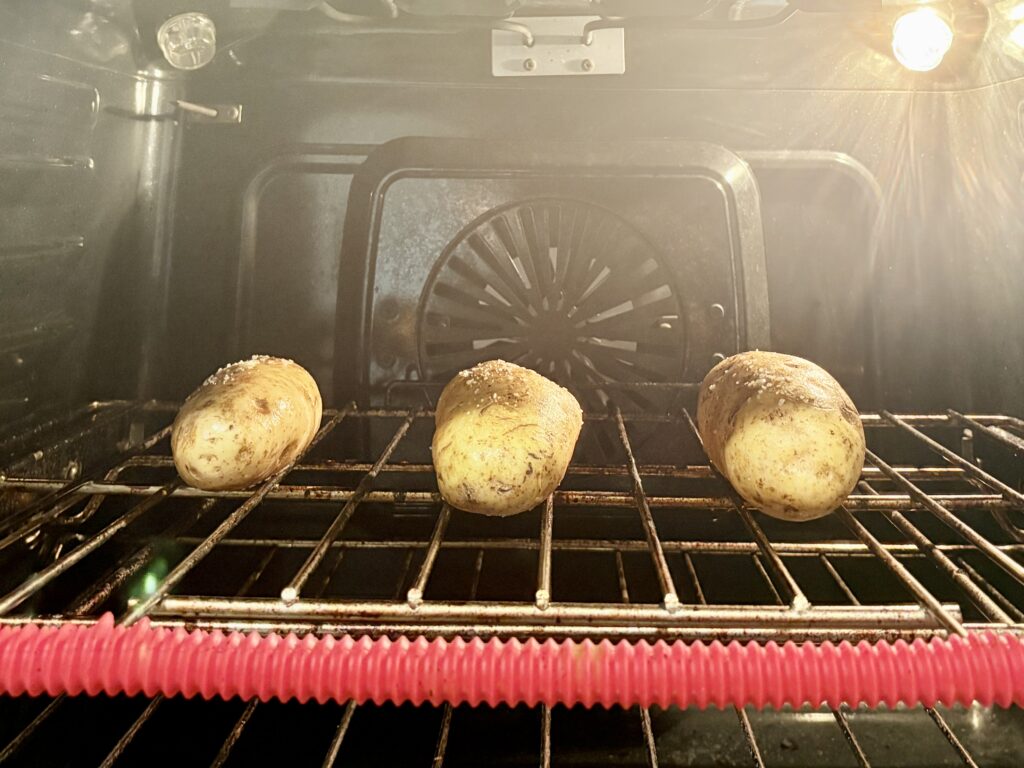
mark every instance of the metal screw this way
{"type": "Point", "coordinates": [529, 65]}
{"type": "Point", "coordinates": [588, 65]}
{"type": "Point", "coordinates": [717, 358]}
{"type": "Point", "coordinates": [718, 310]}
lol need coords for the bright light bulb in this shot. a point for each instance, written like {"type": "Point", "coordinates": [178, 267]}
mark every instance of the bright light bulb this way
{"type": "Point", "coordinates": [920, 39]}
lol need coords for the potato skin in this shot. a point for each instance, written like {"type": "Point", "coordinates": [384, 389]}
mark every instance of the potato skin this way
{"type": "Point", "coordinates": [783, 432]}
{"type": "Point", "coordinates": [244, 423]}
{"type": "Point", "coordinates": [504, 437]}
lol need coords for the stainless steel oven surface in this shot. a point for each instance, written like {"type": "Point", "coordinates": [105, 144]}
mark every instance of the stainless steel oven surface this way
{"type": "Point", "coordinates": [616, 193]}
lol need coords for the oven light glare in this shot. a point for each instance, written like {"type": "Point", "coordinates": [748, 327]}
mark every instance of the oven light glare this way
{"type": "Point", "coordinates": [920, 39]}
{"type": "Point", "coordinates": [1017, 36]}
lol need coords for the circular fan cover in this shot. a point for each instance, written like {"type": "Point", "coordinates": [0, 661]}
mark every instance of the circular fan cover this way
{"type": "Point", "coordinates": [564, 287]}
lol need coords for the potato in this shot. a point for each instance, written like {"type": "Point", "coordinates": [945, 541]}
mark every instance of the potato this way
{"type": "Point", "coordinates": [504, 437]}
{"type": "Point", "coordinates": [245, 422]}
{"type": "Point", "coordinates": [783, 432]}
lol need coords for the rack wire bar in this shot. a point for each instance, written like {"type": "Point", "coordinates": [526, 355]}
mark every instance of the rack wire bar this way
{"type": "Point", "coordinates": [957, 574]}
{"type": "Point", "coordinates": [788, 548]}
{"type": "Point", "coordinates": [101, 590]}
{"type": "Point", "coordinates": [748, 734]}
{"type": "Point", "coordinates": [126, 739]}
{"type": "Point", "coordinates": [202, 550]}
{"type": "Point", "coordinates": [292, 592]}
{"type": "Point", "coordinates": [836, 617]}
{"type": "Point", "coordinates": [38, 580]}
{"type": "Point", "coordinates": [415, 594]}
{"type": "Point", "coordinates": [36, 522]}
{"type": "Point", "coordinates": [851, 738]}
{"type": "Point", "coordinates": [95, 501]}
{"type": "Point", "coordinates": [404, 575]}
{"type": "Point", "coordinates": [620, 573]}
{"type": "Point", "coordinates": [339, 735]}
{"type": "Point", "coordinates": [33, 725]}
{"type": "Point", "coordinates": [869, 420]}
{"type": "Point", "coordinates": [542, 597]}
{"type": "Point", "coordinates": [545, 736]}
{"type": "Point", "coordinates": [57, 500]}
{"type": "Point", "coordinates": [839, 580]}
{"type": "Point", "coordinates": [670, 598]}
{"type": "Point", "coordinates": [678, 472]}
{"type": "Point", "coordinates": [917, 589]}
{"type": "Point", "coordinates": [235, 734]}
{"type": "Point", "coordinates": [258, 571]}
{"type": "Point", "coordinates": [999, 597]}
{"type": "Point", "coordinates": [329, 573]}
{"type": "Point", "coordinates": [326, 493]}
{"type": "Point", "coordinates": [951, 737]}
{"type": "Point", "coordinates": [1010, 440]}
{"type": "Point", "coordinates": [945, 564]}
{"type": "Point", "coordinates": [649, 743]}
{"type": "Point", "coordinates": [759, 566]}
{"type": "Point", "coordinates": [969, 467]}
{"type": "Point", "coordinates": [100, 411]}
{"type": "Point", "coordinates": [102, 414]}
{"type": "Point", "coordinates": [442, 737]}
{"type": "Point", "coordinates": [1003, 560]}
{"type": "Point", "coordinates": [691, 571]}
{"type": "Point", "coordinates": [797, 599]}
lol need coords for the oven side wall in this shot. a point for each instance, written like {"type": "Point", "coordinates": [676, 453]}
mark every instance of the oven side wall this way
{"type": "Point", "coordinates": [87, 158]}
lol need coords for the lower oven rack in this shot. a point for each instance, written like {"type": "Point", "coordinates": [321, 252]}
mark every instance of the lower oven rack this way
{"type": "Point", "coordinates": [923, 503]}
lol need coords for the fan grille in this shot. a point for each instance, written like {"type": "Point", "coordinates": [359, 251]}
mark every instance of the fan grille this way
{"type": "Point", "coordinates": [561, 286]}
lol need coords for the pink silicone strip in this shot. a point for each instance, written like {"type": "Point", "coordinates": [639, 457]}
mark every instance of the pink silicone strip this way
{"type": "Point", "coordinates": [984, 667]}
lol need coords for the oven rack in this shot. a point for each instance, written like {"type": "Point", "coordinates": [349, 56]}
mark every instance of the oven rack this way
{"type": "Point", "coordinates": [898, 492]}
{"type": "Point", "coordinates": [970, 505]}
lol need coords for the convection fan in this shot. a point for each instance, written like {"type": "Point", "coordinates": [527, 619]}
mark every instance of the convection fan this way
{"type": "Point", "coordinates": [561, 286]}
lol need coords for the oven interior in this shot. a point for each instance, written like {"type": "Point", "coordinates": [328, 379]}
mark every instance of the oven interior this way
{"type": "Point", "coordinates": [353, 186]}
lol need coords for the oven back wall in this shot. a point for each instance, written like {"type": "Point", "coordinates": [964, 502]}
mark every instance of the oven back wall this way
{"type": "Point", "coordinates": [892, 235]}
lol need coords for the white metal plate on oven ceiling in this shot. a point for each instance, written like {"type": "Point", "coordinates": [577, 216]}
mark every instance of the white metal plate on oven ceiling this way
{"type": "Point", "coordinates": [558, 49]}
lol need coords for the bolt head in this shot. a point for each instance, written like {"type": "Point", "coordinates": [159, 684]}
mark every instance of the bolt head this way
{"type": "Point", "coordinates": [529, 65]}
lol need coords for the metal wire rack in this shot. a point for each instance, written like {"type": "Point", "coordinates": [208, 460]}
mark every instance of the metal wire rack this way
{"type": "Point", "coordinates": [645, 541]}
